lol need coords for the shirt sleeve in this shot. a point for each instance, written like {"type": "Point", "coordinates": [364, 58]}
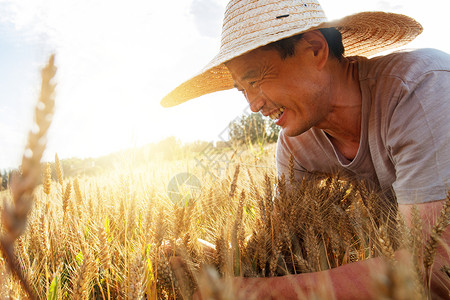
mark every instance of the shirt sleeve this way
{"type": "Point", "coordinates": [418, 140]}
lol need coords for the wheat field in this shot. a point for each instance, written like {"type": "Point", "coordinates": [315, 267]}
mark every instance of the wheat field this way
{"type": "Point", "coordinates": [115, 235]}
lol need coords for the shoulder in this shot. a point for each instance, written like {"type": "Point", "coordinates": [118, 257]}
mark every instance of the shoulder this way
{"type": "Point", "coordinates": [291, 143]}
{"type": "Point", "coordinates": [405, 80]}
{"type": "Point", "coordinates": [407, 66]}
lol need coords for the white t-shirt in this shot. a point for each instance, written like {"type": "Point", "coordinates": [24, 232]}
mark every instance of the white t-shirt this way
{"type": "Point", "coordinates": [405, 129]}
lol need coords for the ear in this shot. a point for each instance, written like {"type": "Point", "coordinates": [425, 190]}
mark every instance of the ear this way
{"type": "Point", "coordinates": [319, 46]}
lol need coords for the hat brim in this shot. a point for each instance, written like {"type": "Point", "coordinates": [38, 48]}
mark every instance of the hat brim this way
{"type": "Point", "coordinates": [364, 34]}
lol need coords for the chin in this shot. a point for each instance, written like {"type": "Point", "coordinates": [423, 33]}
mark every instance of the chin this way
{"type": "Point", "coordinates": [291, 132]}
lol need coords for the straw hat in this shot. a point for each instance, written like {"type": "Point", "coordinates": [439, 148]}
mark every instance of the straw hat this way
{"type": "Point", "coordinates": [249, 24]}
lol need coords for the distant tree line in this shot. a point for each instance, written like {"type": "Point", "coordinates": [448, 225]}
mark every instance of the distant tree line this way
{"type": "Point", "coordinates": [253, 129]}
{"type": "Point", "coordinates": [168, 149]}
{"type": "Point", "coordinates": [247, 131]}
{"type": "Point", "coordinates": [4, 179]}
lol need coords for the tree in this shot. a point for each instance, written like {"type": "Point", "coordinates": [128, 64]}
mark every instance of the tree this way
{"type": "Point", "coordinates": [4, 180]}
{"type": "Point", "coordinates": [253, 130]}
{"type": "Point", "coordinates": [170, 147]}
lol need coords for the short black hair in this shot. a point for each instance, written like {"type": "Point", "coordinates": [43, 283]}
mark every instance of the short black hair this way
{"type": "Point", "coordinates": [286, 46]}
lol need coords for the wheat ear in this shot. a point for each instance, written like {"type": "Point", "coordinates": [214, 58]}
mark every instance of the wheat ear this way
{"type": "Point", "coordinates": [436, 232]}
{"type": "Point", "coordinates": [136, 278]}
{"type": "Point", "coordinates": [83, 277]}
{"type": "Point", "coordinates": [14, 217]}
{"type": "Point", "coordinates": [59, 170]}
{"type": "Point", "coordinates": [47, 179]}
{"type": "Point", "coordinates": [66, 197]}
{"type": "Point", "coordinates": [77, 190]}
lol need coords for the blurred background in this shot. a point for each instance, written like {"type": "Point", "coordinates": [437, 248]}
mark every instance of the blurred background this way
{"type": "Point", "coordinates": [117, 59]}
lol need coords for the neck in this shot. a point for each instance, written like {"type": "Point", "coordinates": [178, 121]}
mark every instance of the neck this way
{"type": "Point", "coordinates": [343, 124]}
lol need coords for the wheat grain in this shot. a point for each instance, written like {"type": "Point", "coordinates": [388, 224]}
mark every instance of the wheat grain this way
{"type": "Point", "coordinates": [59, 170]}
{"type": "Point", "coordinates": [416, 240]}
{"type": "Point", "coordinates": [432, 242]}
{"type": "Point", "coordinates": [165, 277]}
{"type": "Point", "coordinates": [77, 190]}
{"type": "Point", "coordinates": [291, 171]}
{"type": "Point", "coordinates": [23, 255]}
{"type": "Point", "coordinates": [385, 244]}
{"type": "Point", "coordinates": [221, 253]}
{"type": "Point", "coordinates": [66, 197]}
{"type": "Point", "coordinates": [312, 248]}
{"type": "Point", "coordinates": [83, 276]}
{"type": "Point", "coordinates": [103, 244]}
{"type": "Point", "coordinates": [234, 182]}
{"type": "Point", "coordinates": [43, 236]}
{"type": "Point", "coordinates": [276, 252]}
{"type": "Point", "coordinates": [47, 179]}
{"type": "Point", "coordinates": [136, 278]}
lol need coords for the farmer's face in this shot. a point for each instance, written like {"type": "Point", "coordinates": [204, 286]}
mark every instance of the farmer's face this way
{"type": "Point", "coordinates": [294, 91]}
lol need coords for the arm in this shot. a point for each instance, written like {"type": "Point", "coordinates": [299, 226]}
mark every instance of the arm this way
{"type": "Point", "coordinates": [429, 213]}
{"type": "Point", "coordinates": [354, 280]}
{"type": "Point", "coordinates": [351, 281]}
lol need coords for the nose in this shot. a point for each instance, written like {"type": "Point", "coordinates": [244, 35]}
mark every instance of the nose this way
{"type": "Point", "coordinates": [255, 99]}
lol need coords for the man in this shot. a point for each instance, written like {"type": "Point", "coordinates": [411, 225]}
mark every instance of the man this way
{"type": "Point", "coordinates": [384, 119]}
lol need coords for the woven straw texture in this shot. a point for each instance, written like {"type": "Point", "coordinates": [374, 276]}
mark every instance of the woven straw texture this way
{"type": "Point", "coordinates": [249, 24]}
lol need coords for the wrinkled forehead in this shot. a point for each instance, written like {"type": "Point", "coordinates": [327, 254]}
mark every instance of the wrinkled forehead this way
{"type": "Point", "coordinates": [253, 59]}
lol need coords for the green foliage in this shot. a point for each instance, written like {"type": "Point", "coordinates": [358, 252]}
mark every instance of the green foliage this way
{"type": "Point", "coordinates": [253, 130]}
{"type": "Point", "coordinates": [53, 289]}
{"type": "Point", "coordinates": [79, 258]}
{"type": "Point", "coordinates": [169, 147]}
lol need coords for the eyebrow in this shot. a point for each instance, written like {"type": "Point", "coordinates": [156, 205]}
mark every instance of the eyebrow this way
{"type": "Point", "coordinates": [250, 74]}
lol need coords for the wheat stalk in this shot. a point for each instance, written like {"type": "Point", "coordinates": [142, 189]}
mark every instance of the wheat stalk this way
{"type": "Point", "coordinates": [14, 217]}
{"type": "Point", "coordinates": [234, 182]}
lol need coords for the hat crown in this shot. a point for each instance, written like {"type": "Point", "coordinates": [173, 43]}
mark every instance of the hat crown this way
{"type": "Point", "coordinates": [251, 22]}
{"type": "Point", "coordinates": [247, 20]}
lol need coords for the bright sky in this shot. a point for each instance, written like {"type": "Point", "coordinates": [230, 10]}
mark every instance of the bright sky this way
{"type": "Point", "coordinates": [117, 59]}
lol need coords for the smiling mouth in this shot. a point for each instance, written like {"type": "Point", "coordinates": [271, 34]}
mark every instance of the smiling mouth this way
{"type": "Point", "coordinates": [277, 114]}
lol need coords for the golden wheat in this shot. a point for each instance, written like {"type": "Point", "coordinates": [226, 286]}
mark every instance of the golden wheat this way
{"type": "Point", "coordinates": [14, 217]}
{"type": "Point", "coordinates": [122, 237]}
{"type": "Point", "coordinates": [59, 170]}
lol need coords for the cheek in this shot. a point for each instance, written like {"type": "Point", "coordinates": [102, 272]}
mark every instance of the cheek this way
{"type": "Point", "coordinates": [281, 94]}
